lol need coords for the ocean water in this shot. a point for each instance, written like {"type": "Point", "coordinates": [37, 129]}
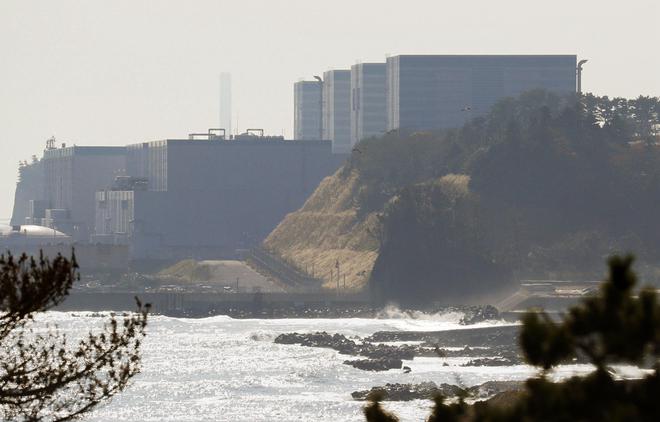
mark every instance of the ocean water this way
{"type": "Point", "coordinates": [224, 369]}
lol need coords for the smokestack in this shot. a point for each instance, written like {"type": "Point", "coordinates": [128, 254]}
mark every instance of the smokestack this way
{"type": "Point", "coordinates": [225, 102]}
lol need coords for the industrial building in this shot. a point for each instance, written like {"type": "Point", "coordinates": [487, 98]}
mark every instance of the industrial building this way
{"type": "Point", "coordinates": [337, 110]}
{"type": "Point", "coordinates": [170, 199]}
{"type": "Point", "coordinates": [209, 198]}
{"type": "Point", "coordinates": [307, 110]}
{"type": "Point", "coordinates": [444, 91]}
{"type": "Point", "coordinates": [58, 190]}
{"type": "Point", "coordinates": [368, 101]}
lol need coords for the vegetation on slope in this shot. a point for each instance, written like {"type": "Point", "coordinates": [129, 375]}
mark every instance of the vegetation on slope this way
{"type": "Point", "coordinates": [542, 186]}
{"type": "Point", "coordinates": [326, 231]}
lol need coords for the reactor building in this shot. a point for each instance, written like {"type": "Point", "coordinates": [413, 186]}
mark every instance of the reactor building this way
{"type": "Point", "coordinates": [170, 199]}
{"type": "Point", "coordinates": [425, 92]}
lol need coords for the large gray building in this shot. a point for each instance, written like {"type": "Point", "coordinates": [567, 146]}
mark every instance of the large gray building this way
{"type": "Point", "coordinates": [444, 91]}
{"type": "Point", "coordinates": [368, 101]}
{"type": "Point", "coordinates": [58, 190]}
{"type": "Point", "coordinates": [172, 199]}
{"type": "Point", "coordinates": [209, 198]}
{"type": "Point", "coordinates": [337, 109]}
{"type": "Point", "coordinates": [307, 110]}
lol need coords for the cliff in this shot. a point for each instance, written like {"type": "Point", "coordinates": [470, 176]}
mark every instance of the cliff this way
{"type": "Point", "coordinates": [327, 231]}
{"type": "Point", "coordinates": [542, 187]}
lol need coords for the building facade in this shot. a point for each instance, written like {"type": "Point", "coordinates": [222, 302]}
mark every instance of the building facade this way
{"type": "Point", "coordinates": [209, 198]}
{"type": "Point", "coordinates": [368, 101]}
{"type": "Point", "coordinates": [307, 110]}
{"type": "Point", "coordinates": [437, 92]}
{"type": "Point", "coordinates": [58, 191]}
{"type": "Point", "coordinates": [337, 110]}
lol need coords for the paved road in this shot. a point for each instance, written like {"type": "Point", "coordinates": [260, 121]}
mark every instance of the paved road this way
{"type": "Point", "coordinates": [226, 273]}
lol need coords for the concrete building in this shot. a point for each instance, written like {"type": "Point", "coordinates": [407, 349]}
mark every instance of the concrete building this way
{"type": "Point", "coordinates": [209, 198]}
{"type": "Point", "coordinates": [436, 92]}
{"type": "Point", "coordinates": [368, 101]}
{"type": "Point", "coordinates": [58, 190]}
{"type": "Point", "coordinates": [29, 199]}
{"type": "Point", "coordinates": [337, 110]}
{"type": "Point", "coordinates": [307, 110]}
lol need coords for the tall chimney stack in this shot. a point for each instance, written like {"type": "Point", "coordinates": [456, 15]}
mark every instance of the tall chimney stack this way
{"type": "Point", "coordinates": [225, 102]}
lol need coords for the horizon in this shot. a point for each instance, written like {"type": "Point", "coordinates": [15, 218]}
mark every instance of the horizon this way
{"type": "Point", "coordinates": [72, 75]}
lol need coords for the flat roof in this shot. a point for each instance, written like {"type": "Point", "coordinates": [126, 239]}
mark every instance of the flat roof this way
{"type": "Point", "coordinates": [84, 150]}
{"type": "Point", "coordinates": [240, 142]}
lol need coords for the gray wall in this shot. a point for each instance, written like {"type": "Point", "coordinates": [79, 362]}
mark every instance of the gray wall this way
{"type": "Point", "coordinates": [368, 101]}
{"type": "Point", "coordinates": [337, 109]}
{"type": "Point", "coordinates": [307, 110]}
{"type": "Point", "coordinates": [224, 195]}
{"type": "Point", "coordinates": [30, 186]}
{"type": "Point", "coordinates": [435, 92]}
{"type": "Point", "coordinates": [68, 178]}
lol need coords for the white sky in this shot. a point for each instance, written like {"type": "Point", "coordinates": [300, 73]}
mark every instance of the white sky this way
{"type": "Point", "coordinates": [116, 72]}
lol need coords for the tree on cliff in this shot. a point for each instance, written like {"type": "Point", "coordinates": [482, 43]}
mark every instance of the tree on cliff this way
{"type": "Point", "coordinates": [616, 326]}
{"type": "Point", "coordinates": [43, 375]}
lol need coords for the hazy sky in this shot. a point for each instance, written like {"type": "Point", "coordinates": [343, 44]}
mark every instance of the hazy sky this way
{"type": "Point", "coordinates": [118, 72]}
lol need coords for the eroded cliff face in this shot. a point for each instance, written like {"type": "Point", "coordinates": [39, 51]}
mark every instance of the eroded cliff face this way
{"type": "Point", "coordinates": [327, 233]}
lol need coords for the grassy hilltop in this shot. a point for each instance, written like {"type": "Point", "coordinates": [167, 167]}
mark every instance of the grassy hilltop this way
{"type": "Point", "coordinates": [542, 186]}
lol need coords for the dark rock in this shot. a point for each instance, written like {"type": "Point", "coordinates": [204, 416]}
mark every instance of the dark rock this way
{"type": "Point", "coordinates": [337, 342]}
{"type": "Point", "coordinates": [492, 388]}
{"type": "Point", "coordinates": [346, 346]}
{"type": "Point", "coordinates": [475, 314]}
{"type": "Point", "coordinates": [380, 364]}
{"type": "Point", "coordinates": [404, 352]}
{"type": "Point", "coordinates": [427, 390]}
{"type": "Point", "coordinates": [473, 337]}
{"type": "Point", "coordinates": [498, 361]}
{"type": "Point", "coordinates": [406, 392]}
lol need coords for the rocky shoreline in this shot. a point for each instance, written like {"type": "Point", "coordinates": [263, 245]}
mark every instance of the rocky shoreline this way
{"type": "Point", "coordinates": [474, 346]}
{"type": "Point", "coordinates": [428, 390]}
{"type": "Point", "coordinates": [480, 346]}
{"type": "Point", "coordinates": [491, 346]}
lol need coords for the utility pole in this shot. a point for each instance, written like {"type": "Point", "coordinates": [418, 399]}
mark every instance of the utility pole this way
{"type": "Point", "coordinates": [579, 75]}
{"type": "Point", "coordinates": [337, 266]}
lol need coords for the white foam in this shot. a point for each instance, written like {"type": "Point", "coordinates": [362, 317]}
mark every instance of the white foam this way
{"type": "Point", "coordinates": [225, 369]}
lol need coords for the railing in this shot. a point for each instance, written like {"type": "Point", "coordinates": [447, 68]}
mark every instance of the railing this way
{"type": "Point", "coordinates": [282, 271]}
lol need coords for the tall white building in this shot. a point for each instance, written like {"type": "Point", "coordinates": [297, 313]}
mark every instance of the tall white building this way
{"type": "Point", "coordinates": [368, 101]}
{"type": "Point", "coordinates": [337, 109]}
{"type": "Point", "coordinates": [307, 110]}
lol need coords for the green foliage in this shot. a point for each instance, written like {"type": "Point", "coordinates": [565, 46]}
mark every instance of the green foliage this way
{"type": "Point", "coordinates": [556, 184]}
{"type": "Point", "coordinates": [616, 326]}
{"type": "Point", "coordinates": [431, 239]}
{"type": "Point", "coordinates": [42, 376]}
{"type": "Point", "coordinates": [374, 412]}
{"type": "Point", "coordinates": [453, 412]}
